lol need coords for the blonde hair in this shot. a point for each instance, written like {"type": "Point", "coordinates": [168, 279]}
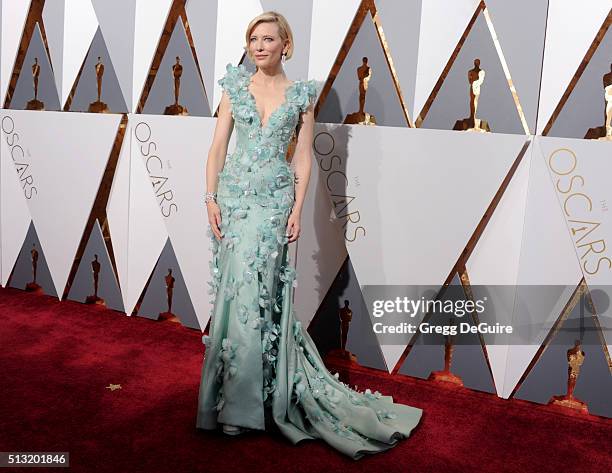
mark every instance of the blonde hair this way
{"type": "Point", "coordinates": [284, 30]}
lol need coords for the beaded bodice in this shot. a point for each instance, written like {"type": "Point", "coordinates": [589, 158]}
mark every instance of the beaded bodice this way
{"type": "Point", "coordinates": [257, 168]}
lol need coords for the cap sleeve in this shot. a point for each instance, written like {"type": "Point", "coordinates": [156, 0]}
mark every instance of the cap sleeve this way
{"type": "Point", "coordinates": [305, 93]}
{"type": "Point", "coordinates": [235, 82]}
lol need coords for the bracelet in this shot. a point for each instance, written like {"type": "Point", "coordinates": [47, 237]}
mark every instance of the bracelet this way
{"type": "Point", "coordinates": [210, 197]}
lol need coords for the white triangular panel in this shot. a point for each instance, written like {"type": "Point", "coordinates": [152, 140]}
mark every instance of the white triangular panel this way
{"type": "Point", "coordinates": [66, 154]}
{"type": "Point", "coordinates": [437, 177]}
{"type": "Point", "coordinates": [320, 250]}
{"type": "Point", "coordinates": [178, 144]}
{"type": "Point", "coordinates": [496, 257]}
{"type": "Point", "coordinates": [14, 14]}
{"type": "Point", "coordinates": [373, 179]}
{"type": "Point", "coordinates": [548, 272]}
{"type": "Point", "coordinates": [330, 24]}
{"type": "Point", "coordinates": [442, 24]}
{"type": "Point", "coordinates": [151, 16]}
{"type": "Point", "coordinates": [14, 213]}
{"type": "Point", "coordinates": [232, 20]}
{"type": "Point", "coordinates": [117, 213]}
{"type": "Point", "coordinates": [147, 231]}
{"type": "Point", "coordinates": [70, 26]}
{"type": "Point", "coordinates": [589, 202]}
{"type": "Point", "coordinates": [571, 29]}
{"type": "Point", "coordinates": [117, 19]}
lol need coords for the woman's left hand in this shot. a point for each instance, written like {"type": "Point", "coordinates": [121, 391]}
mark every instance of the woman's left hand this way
{"type": "Point", "coordinates": [293, 226]}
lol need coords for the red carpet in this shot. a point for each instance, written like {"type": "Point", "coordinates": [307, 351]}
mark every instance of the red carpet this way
{"type": "Point", "coordinates": [58, 357]}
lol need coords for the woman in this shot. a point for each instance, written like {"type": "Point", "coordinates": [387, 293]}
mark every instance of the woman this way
{"type": "Point", "coordinates": [261, 367]}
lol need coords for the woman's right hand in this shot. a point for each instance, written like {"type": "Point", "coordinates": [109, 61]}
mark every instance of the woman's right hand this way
{"type": "Point", "coordinates": [214, 218]}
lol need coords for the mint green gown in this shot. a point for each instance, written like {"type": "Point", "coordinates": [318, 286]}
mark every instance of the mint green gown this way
{"type": "Point", "coordinates": [261, 368]}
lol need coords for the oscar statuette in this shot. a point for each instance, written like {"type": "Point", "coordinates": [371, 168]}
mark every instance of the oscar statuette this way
{"type": "Point", "coordinates": [98, 106]}
{"type": "Point", "coordinates": [604, 133]}
{"type": "Point", "coordinates": [476, 77]}
{"type": "Point", "coordinates": [446, 375]}
{"type": "Point", "coordinates": [35, 104]}
{"type": "Point", "coordinates": [364, 73]}
{"type": "Point", "coordinates": [342, 355]}
{"type": "Point", "coordinates": [175, 108]}
{"type": "Point", "coordinates": [168, 315]}
{"type": "Point", "coordinates": [575, 359]}
{"type": "Point", "coordinates": [33, 286]}
{"type": "Point", "coordinates": [95, 271]}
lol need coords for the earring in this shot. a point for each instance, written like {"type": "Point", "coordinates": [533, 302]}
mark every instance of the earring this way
{"type": "Point", "coordinates": [283, 56]}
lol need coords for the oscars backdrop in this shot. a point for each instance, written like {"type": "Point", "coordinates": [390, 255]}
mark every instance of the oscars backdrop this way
{"type": "Point", "coordinates": [462, 149]}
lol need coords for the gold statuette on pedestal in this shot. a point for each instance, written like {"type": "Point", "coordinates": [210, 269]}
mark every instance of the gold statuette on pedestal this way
{"type": "Point", "coordinates": [342, 355]}
{"type": "Point", "coordinates": [175, 108]}
{"type": "Point", "coordinates": [476, 77]}
{"type": "Point", "coordinates": [604, 133]}
{"type": "Point", "coordinates": [33, 285]}
{"type": "Point", "coordinates": [575, 359]}
{"type": "Point", "coordinates": [95, 271]}
{"type": "Point", "coordinates": [35, 104]}
{"type": "Point", "coordinates": [364, 73]}
{"type": "Point", "coordinates": [170, 280]}
{"type": "Point", "coordinates": [98, 106]}
{"type": "Point", "coordinates": [446, 375]}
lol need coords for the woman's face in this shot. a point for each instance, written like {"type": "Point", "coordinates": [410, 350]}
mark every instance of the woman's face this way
{"type": "Point", "coordinates": [265, 45]}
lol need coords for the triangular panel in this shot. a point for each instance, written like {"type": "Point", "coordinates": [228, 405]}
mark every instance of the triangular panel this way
{"type": "Point", "coordinates": [86, 90]}
{"type": "Point", "coordinates": [495, 104]}
{"type": "Point", "coordinates": [191, 93]}
{"type": "Point", "coordinates": [381, 101]}
{"type": "Point", "coordinates": [96, 264]}
{"type": "Point", "coordinates": [31, 257]}
{"type": "Point", "coordinates": [167, 290]}
{"type": "Point", "coordinates": [24, 88]}
{"type": "Point", "coordinates": [65, 155]}
{"type": "Point", "coordinates": [326, 327]}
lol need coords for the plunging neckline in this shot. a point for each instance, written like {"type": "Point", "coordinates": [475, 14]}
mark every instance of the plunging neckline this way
{"type": "Point", "coordinates": [256, 110]}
